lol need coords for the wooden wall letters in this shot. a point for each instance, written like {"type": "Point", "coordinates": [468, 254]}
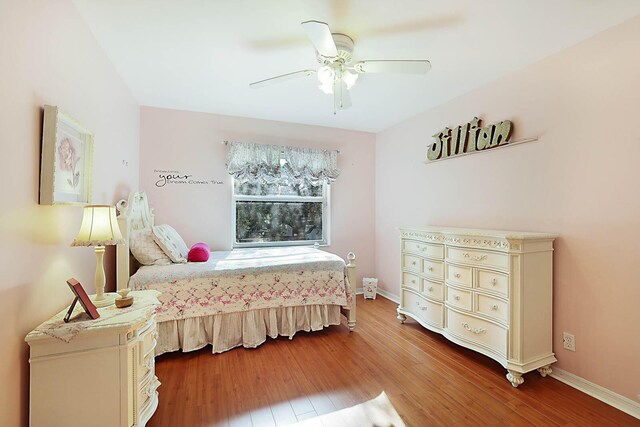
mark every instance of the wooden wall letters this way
{"type": "Point", "coordinates": [468, 138]}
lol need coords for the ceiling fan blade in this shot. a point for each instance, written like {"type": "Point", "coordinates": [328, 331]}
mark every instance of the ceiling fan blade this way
{"type": "Point", "coordinates": [341, 96]}
{"type": "Point", "coordinates": [320, 35]}
{"type": "Point", "coordinates": [279, 79]}
{"type": "Point", "coordinates": [400, 66]}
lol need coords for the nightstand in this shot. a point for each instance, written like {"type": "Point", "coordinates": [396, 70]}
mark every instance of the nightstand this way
{"type": "Point", "coordinates": [95, 372]}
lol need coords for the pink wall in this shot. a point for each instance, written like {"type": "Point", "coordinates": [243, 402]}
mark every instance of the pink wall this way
{"type": "Point", "coordinates": [579, 180]}
{"type": "Point", "coordinates": [49, 56]}
{"type": "Point", "coordinates": [190, 143]}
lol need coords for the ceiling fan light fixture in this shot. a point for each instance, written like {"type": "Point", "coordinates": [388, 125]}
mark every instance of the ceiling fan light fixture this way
{"type": "Point", "coordinates": [326, 75]}
{"type": "Point", "coordinates": [349, 78]}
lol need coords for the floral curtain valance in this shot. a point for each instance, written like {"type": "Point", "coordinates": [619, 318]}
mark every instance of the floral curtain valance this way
{"type": "Point", "coordinates": [270, 164]}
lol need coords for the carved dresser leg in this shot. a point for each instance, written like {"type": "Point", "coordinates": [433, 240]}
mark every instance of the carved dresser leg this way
{"type": "Point", "coordinates": [545, 370]}
{"type": "Point", "coordinates": [401, 317]}
{"type": "Point", "coordinates": [515, 378]}
{"type": "Point", "coordinates": [351, 325]}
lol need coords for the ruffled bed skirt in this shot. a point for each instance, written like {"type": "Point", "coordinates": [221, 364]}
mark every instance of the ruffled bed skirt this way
{"type": "Point", "coordinates": [248, 328]}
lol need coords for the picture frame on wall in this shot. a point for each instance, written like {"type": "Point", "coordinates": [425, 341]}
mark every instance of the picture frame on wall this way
{"type": "Point", "coordinates": [66, 167]}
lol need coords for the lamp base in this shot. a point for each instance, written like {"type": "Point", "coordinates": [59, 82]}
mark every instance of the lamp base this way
{"type": "Point", "coordinates": [109, 298]}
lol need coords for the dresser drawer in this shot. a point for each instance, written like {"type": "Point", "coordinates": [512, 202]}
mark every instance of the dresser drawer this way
{"type": "Point", "coordinates": [433, 290]}
{"type": "Point", "coordinates": [493, 281]}
{"type": "Point", "coordinates": [478, 331]}
{"type": "Point", "coordinates": [411, 281]}
{"type": "Point", "coordinates": [425, 249]}
{"type": "Point", "coordinates": [460, 275]}
{"type": "Point", "coordinates": [459, 298]}
{"type": "Point", "coordinates": [480, 258]}
{"type": "Point", "coordinates": [495, 308]}
{"type": "Point", "coordinates": [433, 269]}
{"type": "Point", "coordinates": [146, 393]}
{"type": "Point", "coordinates": [423, 309]}
{"type": "Point", "coordinates": [411, 262]}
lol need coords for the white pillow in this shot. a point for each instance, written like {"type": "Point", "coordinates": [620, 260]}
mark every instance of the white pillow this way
{"type": "Point", "coordinates": [171, 243]}
{"type": "Point", "coordinates": [145, 249]}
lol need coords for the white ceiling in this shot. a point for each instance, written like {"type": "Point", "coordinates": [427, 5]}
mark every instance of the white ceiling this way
{"type": "Point", "coordinates": [200, 55]}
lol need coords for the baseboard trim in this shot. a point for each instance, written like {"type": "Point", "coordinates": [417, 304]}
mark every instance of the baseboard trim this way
{"type": "Point", "coordinates": [594, 390]}
{"type": "Point", "coordinates": [382, 293]}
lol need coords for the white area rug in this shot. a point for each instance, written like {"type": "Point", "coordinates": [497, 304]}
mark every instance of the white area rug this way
{"type": "Point", "coordinates": [378, 412]}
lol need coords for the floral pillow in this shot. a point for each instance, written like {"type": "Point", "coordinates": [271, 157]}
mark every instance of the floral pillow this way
{"type": "Point", "coordinates": [145, 249]}
{"type": "Point", "coordinates": [171, 243]}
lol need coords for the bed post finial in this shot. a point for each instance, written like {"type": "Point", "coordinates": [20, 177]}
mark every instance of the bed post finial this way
{"type": "Point", "coordinates": [351, 277]}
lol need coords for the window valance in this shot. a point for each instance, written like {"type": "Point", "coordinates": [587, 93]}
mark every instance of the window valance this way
{"type": "Point", "coordinates": [272, 164]}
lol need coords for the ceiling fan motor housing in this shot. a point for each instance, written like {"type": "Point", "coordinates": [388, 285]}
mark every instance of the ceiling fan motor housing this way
{"type": "Point", "coordinates": [344, 45]}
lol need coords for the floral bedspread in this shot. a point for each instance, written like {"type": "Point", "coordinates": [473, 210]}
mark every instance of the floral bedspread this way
{"type": "Point", "coordinates": [246, 279]}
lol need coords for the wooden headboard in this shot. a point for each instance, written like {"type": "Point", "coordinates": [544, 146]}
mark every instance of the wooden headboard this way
{"type": "Point", "coordinates": [133, 214]}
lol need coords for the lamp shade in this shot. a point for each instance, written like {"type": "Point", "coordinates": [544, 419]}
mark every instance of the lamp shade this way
{"type": "Point", "coordinates": [99, 227]}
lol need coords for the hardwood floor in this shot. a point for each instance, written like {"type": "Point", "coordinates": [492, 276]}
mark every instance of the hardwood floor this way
{"type": "Point", "coordinates": [429, 380]}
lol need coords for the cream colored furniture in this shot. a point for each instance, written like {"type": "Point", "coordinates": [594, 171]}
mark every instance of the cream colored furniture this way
{"type": "Point", "coordinates": [104, 375]}
{"type": "Point", "coordinates": [490, 291]}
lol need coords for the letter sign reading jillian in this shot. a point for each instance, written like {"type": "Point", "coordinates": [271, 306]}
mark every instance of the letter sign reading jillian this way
{"type": "Point", "coordinates": [468, 138]}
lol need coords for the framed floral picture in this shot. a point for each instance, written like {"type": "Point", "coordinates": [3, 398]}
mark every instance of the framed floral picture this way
{"type": "Point", "coordinates": [67, 160]}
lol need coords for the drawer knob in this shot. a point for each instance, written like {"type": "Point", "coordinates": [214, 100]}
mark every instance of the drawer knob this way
{"type": "Point", "coordinates": [474, 330]}
{"type": "Point", "coordinates": [413, 263]}
{"type": "Point", "coordinates": [494, 307]}
{"type": "Point", "coordinates": [457, 275]}
{"type": "Point", "coordinates": [430, 288]}
{"type": "Point", "coordinates": [494, 282]}
{"type": "Point", "coordinates": [456, 297]}
{"type": "Point", "coordinates": [430, 268]}
{"type": "Point", "coordinates": [413, 281]}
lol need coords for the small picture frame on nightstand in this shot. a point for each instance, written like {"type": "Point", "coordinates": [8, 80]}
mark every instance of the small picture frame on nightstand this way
{"type": "Point", "coordinates": [85, 301]}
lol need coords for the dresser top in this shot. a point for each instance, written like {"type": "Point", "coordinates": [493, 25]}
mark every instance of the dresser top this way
{"type": "Point", "coordinates": [477, 232]}
{"type": "Point", "coordinates": [111, 318]}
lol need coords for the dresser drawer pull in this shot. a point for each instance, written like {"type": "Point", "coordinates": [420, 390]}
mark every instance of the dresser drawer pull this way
{"type": "Point", "coordinates": [456, 297]}
{"type": "Point", "coordinates": [413, 263]}
{"type": "Point", "coordinates": [467, 255]}
{"type": "Point", "coordinates": [474, 330]}
{"type": "Point", "coordinates": [421, 307]}
{"type": "Point", "coordinates": [430, 288]}
{"type": "Point", "coordinates": [494, 307]}
{"type": "Point", "coordinates": [430, 268]}
{"type": "Point", "coordinates": [494, 282]}
{"type": "Point", "coordinates": [413, 281]}
{"type": "Point", "coordinates": [457, 275]}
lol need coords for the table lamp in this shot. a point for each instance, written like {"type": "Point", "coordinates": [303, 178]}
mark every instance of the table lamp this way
{"type": "Point", "coordinates": [99, 228]}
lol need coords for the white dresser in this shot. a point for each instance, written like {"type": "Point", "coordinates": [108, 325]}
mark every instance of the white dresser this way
{"type": "Point", "coordinates": [490, 291]}
{"type": "Point", "coordinates": [95, 372]}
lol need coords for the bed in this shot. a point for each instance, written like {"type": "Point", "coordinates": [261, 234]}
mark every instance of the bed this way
{"type": "Point", "coordinates": [238, 297]}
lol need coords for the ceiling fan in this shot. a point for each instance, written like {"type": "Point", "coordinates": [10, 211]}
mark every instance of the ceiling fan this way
{"type": "Point", "coordinates": [336, 74]}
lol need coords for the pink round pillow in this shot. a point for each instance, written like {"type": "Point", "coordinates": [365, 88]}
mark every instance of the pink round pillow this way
{"type": "Point", "coordinates": [199, 253]}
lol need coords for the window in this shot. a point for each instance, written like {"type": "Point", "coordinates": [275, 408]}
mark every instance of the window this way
{"type": "Point", "coordinates": [280, 214]}
{"type": "Point", "coordinates": [280, 194]}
